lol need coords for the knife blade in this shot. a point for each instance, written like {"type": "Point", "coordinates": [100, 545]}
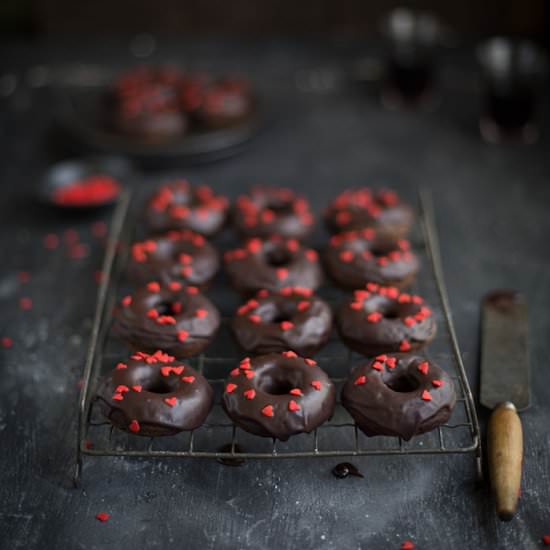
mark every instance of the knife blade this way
{"type": "Point", "coordinates": [505, 388]}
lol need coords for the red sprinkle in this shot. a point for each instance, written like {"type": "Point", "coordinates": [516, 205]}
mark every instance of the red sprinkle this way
{"type": "Point", "coordinates": [424, 367]}
{"type": "Point", "coordinates": [103, 517]}
{"type": "Point", "coordinates": [230, 388]}
{"type": "Point", "coordinates": [286, 325]}
{"type": "Point", "coordinates": [235, 372]}
{"type": "Point", "coordinates": [153, 286]}
{"type": "Point", "coordinates": [182, 335]}
{"type": "Point", "coordinates": [302, 306]}
{"type": "Point", "coordinates": [126, 301]}
{"type": "Point", "coordinates": [171, 401]}
{"type": "Point", "coordinates": [374, 317]}
{"type": "Point", "coordinates": [118, 397]}
{"type": "Point", "coordinates": [293, 406]}
{"type": "Point", "coordinates": [174, 285]}
{"type": "Point", "coordinates": [437, 383]}
{"type": "Point", "coordinates": [282, 273]}
{"type": "Point", "coordinates": [360, 380]}
{"type": "Point", "coordinates": [426, 395]}
{"type": "Point", "coordinates": [256, 319]}
{"type": "Point", "coordinates": [137, 388]}
{"type": "Point", "coordinates": [316, 384]}
{"type": "Point", "coordinates": [377, 365]}
{"type": "Point", "coordinates": [289, 353]}
{"type": "Point", "coordinates": [134, 426]}
{"type": "Point", "coordinates": [7, 342]}
{"type": "Point", "coordinates": [310, 362]}
{"type": "Point", "coordinates": [268, 410]}
{"type": "Point", "coordinates": [250, 394]}
{"type": "Point", "coordinates": [152, 314]}
{"type": "Point", "coordinates": [188, 379]}
{"type": "Point", "coordinates": [311, 255]}
{"type": "Point", "coordinates": [25, 303]}
{"type": "Point", "coordinates": [346, 256]}
{"type": "Point", "coordinates": [407, 545]}
{"type": "Point", "coordinates": [201, 313]}
{"type": "Point", "coordinates": [404, 345]}
{"type": "Point", "coordinates": [122, 388]}
{"type": "Point", "coordinates": [121, 366]}
{"type": "Point", "coordinates": [296, 391]}
{"type": "Point", "coordinates": [382, 357]}
{"type": "Point", "coordinates": [249, 373]}
{"type": "Point", "coordinates": [192, 290]}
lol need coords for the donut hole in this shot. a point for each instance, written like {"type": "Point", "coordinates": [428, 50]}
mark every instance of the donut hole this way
{"type": "Point", "coordinates": [158, 385]}
{"type": "Point", "coordinates": [278, 257]}
{"type": "Point", "coordinates": [279, 313]}
{"type": "Point", "coordinates": [278, 380]}
{"type": "Point", "coordinates": [165, 308]}
{"type": "Point", "coordinates": [276, 387]}
{"type": "Point", "coordinates": [381, 249]}
{"type": "Point", "coordinates": [279, 207]}
{"type": "Point", "coordinates": [392, 312]}
{"type": "Point", "coordinates": [404, 383]}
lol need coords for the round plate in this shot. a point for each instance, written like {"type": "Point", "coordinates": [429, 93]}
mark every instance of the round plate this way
{"type": "Point", "coordinates": [82, 108]}
{"type": "Point", "coordinates": [67, 172]}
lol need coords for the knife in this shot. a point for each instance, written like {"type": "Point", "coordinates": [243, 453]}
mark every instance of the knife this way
{"type": "Point", "coordinates": [505, 390]}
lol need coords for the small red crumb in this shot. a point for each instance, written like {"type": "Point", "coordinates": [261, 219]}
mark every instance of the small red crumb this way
{"type": "Point", "coordinates": [254, 245]}
{"type": "Point", "coordinates": [25, 303]}
{"type": "Point", "coordinates": [137, 388]}
{"type": "Point", "coordinates": [346, 256]}
{"type": "Point", "coordinates": [23, 277]}
{"type": "Point", "coordinates": [7, 342]}
{"type": "Point", "coordinates": [174, 285]}
{"type": "Point", "coordinates": [235, 372]}
{"type": "Point", "coordinates": [192, 290]}
{"type": "Point", "coordinates": [103, 517]}
{"type": "Point", "coordinates": [99, 229]}
{"type": "Point", "coordinates": [374, 317]}
{"type": "Point", "coordinates": [249, 374]}
{"type": "Point", "coordinates": [51, 241]}
{"type": "Point", "coordinates": [407, 545]}
{"type": "Point", "coordinates": [312, 255]}
{"type": "Point", "coordinates": [268, 410]}
{"type": "Point", "coordinates": [303, 305]}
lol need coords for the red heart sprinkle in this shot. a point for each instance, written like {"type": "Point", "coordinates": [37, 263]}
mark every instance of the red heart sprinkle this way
{"type": "Point", "coordinates": [426, 395]}
{"type": "Point", "coordinates": [437, 383]}
{"type": "Point", "coordinates": [382, 357]}
{"type": "Point", "coordinates": [126, 301]}
{"type": "Point", "coordinates": [235, 372]}
{"type": "Point", "coordinates": [311, 255]}
{"type": "Point", "coordinates": [152, 314]}
{"type": "Point", "coordinates": [153, 286]}
{"type": "Point", "coordinates": [407, 545]}
{"type": "Point", "coordinates": [249, 373]}
{"type": "Point", "coordinates": [296, 391]}
{"type": "Point", "coordinates": [192, 290]}
{"type": "Point", "coordinates": [289, 353]}
{"type": "Point", "coordinates": [171, 401]}
{"type": "Point", "coordinates": [404, 345]}
{"type": "Point", "coordinates": [416, 299]}
{"type": "Point", "coordinates": [374, 317]}
{"type": "Point", "coordinates": [188, 379]}
{"type": "Point", "coordinates": [178, 370]}
{"type": "Point", "coordinates": [137, 388]}
{"type": "Point", "coordinates": [256, 319]}
{"type": "Point", "coordinates": [183, 335]}
{"type": "Point", "coordinates": [230, 388]}
{"type": "Point", "coordinates": [404, 298]}
{"type": "Point", "coordinates": [372, 287]}
{"type": "Point", "coordinates": [134, 426]}
{"type": "Point", "coordinates": [302, 306]}
{"type": "Point", "coordinates": [392, 292]}
{"type": "Point", "coordinates": [360, 380]}
{"type": "Point", "coordinates": [249, 394]}
{"type": "Point", "coordinates": [346, 256]}
{"type": "Point", "coordinates": [391, 362]}
{"type": "Point", "coordinates": [122, 388]}
{"type": "Point", "coordinates": [201, 313]}
{"type": "Point", "coordinates": [356, 305]}
{"type": "Point", "coordinates": [378, 366]}
{"type": "Point", "coordinates": [293, 245]}
{"type": "Point", "coordinates": [118, 397]}
{"type": "Point", "coordinates": [286, 325]}
{"type": "Point", "coordinates": [293, 406]}
{"type": "Point", "coordinates": [424, 367]}
{"type": "Point", "coordinates": [103, 517]}
{"type": "Point", "coordinates": [282, 273]}
{"type": "Point", "coordinates": [121, 366]}
{"type": "Point", "coordinates": [174, 285]}
{"type": "Point", "coordinates": [316, 384]}
{"type": "Point", "coordinates": [268, 410]}
{"type": "Point", "coordinates": [310, 362]}
{"type": "Point", "coordinates": [185, 259]}
{"type": "Point", "coordinates": [409, 321]}
{"type": "Point", "coordinates": [245, 363]}
{"type": "Point", "coordinates": [165, 371]}
{"type": "Point", "coordinates": [186, 271]}
{"type": "Point", "coordinates": [254, 245]}
{"type": "Point", "coordinates": [263, 293]}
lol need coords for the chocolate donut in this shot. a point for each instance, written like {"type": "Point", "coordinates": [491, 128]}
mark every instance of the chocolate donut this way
{"type": "Point", "coordinates": [177, 319]}
{"type": "Point", "coordinates": [364, 207]}
{"type": "Point", "coordinates": [272, 264]}
{"type": "Point", "coordinates": [154, 395]}
{"type": "Point", "coordinates": [279, 395]}
{"type": "Point", "coordinates": [220, 103]}
{"type": "Point", "coordinates": [400, 395]}
{"type": "Point", "coordinates": [177, 255]}
{"type": "Point", "coordinates": [382, 319]}
{"type": "Point", "coordinates": [267, 211]}
{"type": "Point", "coordinates": [179, 205]}
{"type": "Point", "coordinates": [290, 319]}
{"type": "Point", "coordinates": [354, 258]}
{"type": "Point", "coordinates": [144, 104]}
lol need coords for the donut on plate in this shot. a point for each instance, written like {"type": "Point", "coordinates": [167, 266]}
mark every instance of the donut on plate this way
{"type": "Point", "coordinates": [399, 395]}
{"type": "Point", "coordinates": [179, 205]}
{"type": "Point", "coordinates": [289, 319]}
{"type": "Point", "coordinates": [279, 395]}
{"type": "Point", "coordinates": [354, 258]}
{"type": "Point", "coordinates": [364, 207]}
{"type": "Point", "coordinates": [272, 264]}
{"type": "Point", "coordinates": [178, 255]}
{"type": "Point", "coordinates": [153, 395]}
{"type": "Point", "coordinates": [382, 319]}
{"type": "Point", "coordinates": [265, 211]}
{"type": "Point", "coordinates": [176, 318]}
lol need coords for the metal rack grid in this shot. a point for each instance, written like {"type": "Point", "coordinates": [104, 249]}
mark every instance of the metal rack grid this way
{"type": "Point", "coordinates": [338, 437]}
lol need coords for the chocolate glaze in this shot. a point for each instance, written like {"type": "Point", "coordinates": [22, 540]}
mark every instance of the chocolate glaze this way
{"type": "Point", "coordinates": [175, 256]}
{"type": "Point", "coordinates": [223, 102]}
{"type": "Point", "coordinates": [413, 397]}
{"type": "Point", "coordinates": [354, 258]}
{"type": "Point", "coordinates": [364, 207]}
{"type": "Point", "coordinates": [133, 395]}
{"type": "Point", "coordinates": [382, 319]}
{"type": "Point", "coordinates": [291, 319]}
{"type": "Point", "coordinates": [272, 264]}
{"type": "Point", "coordinates": [285, 395]}
{"type": "Point", "coordinates": [151, 318]}
{"type": "Point", "coordinates": [267, 211]}
{"type": "Point", "coordinates": [179, 205]}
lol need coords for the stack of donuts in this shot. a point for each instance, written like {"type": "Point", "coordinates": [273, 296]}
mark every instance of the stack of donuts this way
{"type": "Point", "coordinates": [276, 389]}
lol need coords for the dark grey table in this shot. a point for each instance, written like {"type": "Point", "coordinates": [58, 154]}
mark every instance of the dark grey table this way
{"type": "Point", "coordinates": [492, 209]}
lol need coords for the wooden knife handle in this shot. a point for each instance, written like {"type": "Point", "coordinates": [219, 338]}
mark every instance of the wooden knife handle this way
{"type": "Point", "coordinates": [505, 446]}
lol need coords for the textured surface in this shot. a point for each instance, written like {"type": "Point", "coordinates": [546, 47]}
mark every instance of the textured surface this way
{"type": "Point", "coordinates": [492, 206]}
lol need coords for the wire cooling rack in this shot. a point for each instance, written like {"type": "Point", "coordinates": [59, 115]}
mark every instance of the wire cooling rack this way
{"type": "Point", "coordinates": [218, 437]}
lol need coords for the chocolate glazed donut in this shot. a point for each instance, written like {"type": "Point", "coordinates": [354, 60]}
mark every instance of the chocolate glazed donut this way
{"type": "Point", "coordinates": [381, 319]}
{"type": "Point", "coordinates": [177, 255]}
{"type": "Point", "coordinates": [272, 264]}
{"type": "Point", "coordinates": [364, 207]}
{"type": "Point", "coordinates": [355, 258]}
{"type": "Point", "coordinates": [399, 395]}
{"type": "Point", "coordinates": [267, 211]}
{"type": "Point", "coordinates": [279, 395]}
{"type": "Point", "coordinates": [291, 319]}
{"type": "Point", "coordinates": [177, 319]}
{"type": "Point", "coordinates": [178, 205]}
{"type": "Point", "coordinates": [153, 395]}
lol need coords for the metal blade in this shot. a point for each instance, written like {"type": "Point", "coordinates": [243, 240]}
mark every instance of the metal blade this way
{"type": "Point", "coordinates": [504, 355]}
